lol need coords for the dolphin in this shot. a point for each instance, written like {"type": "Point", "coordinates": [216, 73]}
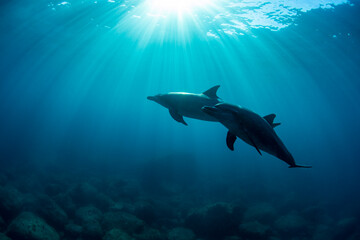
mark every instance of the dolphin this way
{"type": "Point", "coordinates": [253, 129]}
{"type": "Point", "coordinates": [188, 104]}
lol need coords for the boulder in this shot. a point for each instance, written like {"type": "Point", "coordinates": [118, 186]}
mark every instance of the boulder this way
{"type": "Point", "coordinates": [118, 206]}
{"type": "Point", "coordinates": [88, 214]}
{"type": "Point", "coordinates": [323, 232]}
{"type": "Point", "coordinates": [3, 179]}
{"type": "Point", "coordinates": [290, 223]}
{"type": "Point", "coordinates": [214, 221]}
{"type": "Point", "coordinates": [180, 233]}
{"type": "Point", "coordinates": [145, 210]}
{"type": "Point", "coordinates": [2, 224]}
{"type": "Point", "coordinates": [92, 230]}
{"type": "Point", "coordinates": [4, 237]}
{"type": "Point", "coordinates": [122, 220]}
{"type": "Point", "coordinates": [355, 236]}
{"type": "Point", "coordinates": [73, 230]}
{"type": "Point", "coordinates": [51, 212]}
{"type": "Point", "coordinates": [120, 189]}
{"type": "Point", "coordinates": [346, 227]}
{"type": "Point", "coordinates": [86, 194]}
{"type": "Point", "coordinates": [150, 234]}
{"type": "Point", "coordinates": [116, 234]}
{"type": "Point", "coordinates": [31, 227]}
{"type": "Point", "coordinates": [263, 213]}
{"type": "Point", "coordinates": [53, 189]}
{"type": "Point", "coordinates": [232, 238]}
{"type": "Point", "coordinates": [66, 203]}
{"type": "Point", "coordinates": [90, 218]}
{"type": "Point", "coordinates": [276, 238]}
{"type": "Point", "coordinates": [254, 230]}
{"type": "Point", "coordinates": [11, 202]}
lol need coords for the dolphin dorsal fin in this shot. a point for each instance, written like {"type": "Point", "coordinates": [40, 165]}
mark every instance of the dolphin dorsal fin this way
{"type": "Point", "coordinates": [270, 119]}
{"type": "Point", "coordinates": [211, 93]}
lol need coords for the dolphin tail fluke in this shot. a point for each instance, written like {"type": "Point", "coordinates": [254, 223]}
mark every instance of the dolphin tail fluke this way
{"type": "Point", "coordinates": [299, 166]}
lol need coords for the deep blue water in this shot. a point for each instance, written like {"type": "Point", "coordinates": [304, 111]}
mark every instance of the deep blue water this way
{"type": "Point", "coordinates": [74, 77]}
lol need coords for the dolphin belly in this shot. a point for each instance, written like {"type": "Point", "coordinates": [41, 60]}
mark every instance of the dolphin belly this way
{"type": "Point", "coordinates": [197, 115]}
{"type": "Point", "coordinates": [191, 106]}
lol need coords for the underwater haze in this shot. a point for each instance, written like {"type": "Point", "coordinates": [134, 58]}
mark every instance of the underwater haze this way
{"type": "Point", "coordinates": [85, 155]}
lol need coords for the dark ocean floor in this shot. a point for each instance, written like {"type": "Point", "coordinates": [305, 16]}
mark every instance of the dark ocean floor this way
{"type": "Point", "coordinates": [153, 204]}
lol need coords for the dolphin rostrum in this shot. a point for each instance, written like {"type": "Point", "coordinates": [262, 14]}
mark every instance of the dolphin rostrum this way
{"type": "Point", "coordinates": [253, 129]}
{"type": "Point", "coordinates": [188, 104]}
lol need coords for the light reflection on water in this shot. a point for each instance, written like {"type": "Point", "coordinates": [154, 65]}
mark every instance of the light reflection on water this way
{"type": "Point", "coordinates": [215, 18]}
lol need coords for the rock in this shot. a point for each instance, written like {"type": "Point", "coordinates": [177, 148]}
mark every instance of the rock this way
{"type": "Point", "coordinates": [322, 232]}
{"type": "Point", "coordinates": [276, 238]}
{"type": "Point", "coordinates": [83, 193]}
{"type": "Point", "coordinates": [117, 234]}
{"type": "Point", "coordinates": [31, 227]}
{"type": "Point", "coordinates": [52, 189]}
{"type": "Point", "coordinates": [346, 227]}
{"type": "Point", "coordinates": [2, 224]}
{"type": "Point", "coordinates": [89, 214]}
{"type": "Point", "coordinates": [263, 213]}
{"type": "Point", "coordinates": [4, 237]}
{"type": "Point", "coordinates": [150, 234]}
{"type": "Point", "coordinates": [181, 234]}
{"type": "Point", "coordinates": [232, 238]}
{"type": "Point", "coordinates": [90, 218]}
{"type": "Point", "coordinates": [290, 223]}
{"type": "Point", "coordinates": [11, 202]}
{"type": "Point", "coordinates": [121, 220]}
{"type": "Point", "coordinates": [92, 230]}
{"type": "Point", "coordinates": [86, 194]}
{"type": "Point", "coordinates": [213, 221]}
{"type": "Point", "coordinates": [144, 210]}
{"type": "Point", "coordinates": [119, 189]}
{"type": "Point", "coordinates": [254, 230]}
{"type": "Point", "coordinates": [66, 203]}
{"type": "Point", "coordinates": [51, 212]}
{"type": "Point", "coordinates": [355, 236]}
{"type": "Point", "coordinates": [73, 230]}
{"type": "Point", "coordinates": [3, 179]}
{"type": "Point", "coordinates": [118, 206]}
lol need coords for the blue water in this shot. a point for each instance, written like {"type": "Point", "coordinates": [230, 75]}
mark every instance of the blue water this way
{"type": "Point", "coordinates": [75, 76]}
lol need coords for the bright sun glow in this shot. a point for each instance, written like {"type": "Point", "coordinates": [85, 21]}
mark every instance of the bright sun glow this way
{"type": "Point", "coordinates": [177, 6]}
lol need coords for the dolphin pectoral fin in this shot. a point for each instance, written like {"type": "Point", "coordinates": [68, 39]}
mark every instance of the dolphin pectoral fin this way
{"type": "Point", "coordinates": [270, 119]}
{"type": "Point", "coordinates": [177, 117]}
{"type": "Point", "coordinates": [230, 140]}
{"type": "Point", "coordinates": [211, 93]}
{"type": "Point", "coordinates": [252, 141]}
{"type": "Point", "coordinates": [256, 147]}
{"type": "Point", "coordinates": [299, 166]}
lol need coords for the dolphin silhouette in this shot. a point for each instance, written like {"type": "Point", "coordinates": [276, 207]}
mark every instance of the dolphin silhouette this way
{"type": "Point", "coordinates": [188, 104]}
{"type": "Point", "coordinates": [253, 129]}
